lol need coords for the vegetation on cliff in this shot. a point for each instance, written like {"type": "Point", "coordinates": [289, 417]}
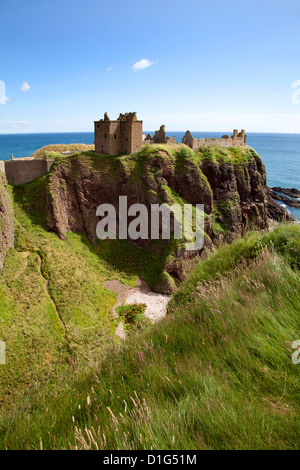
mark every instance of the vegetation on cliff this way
{"type": "Point", "coordinates": [54, 150]}
{"type": "Point", "coordinates": [216, 374]}
{"type": "Point", "coordinates": [231, 183]}
{"type": "Point", "coordinates": [222, 355]}
{"type": "Point", "coordinates": [6, 218]}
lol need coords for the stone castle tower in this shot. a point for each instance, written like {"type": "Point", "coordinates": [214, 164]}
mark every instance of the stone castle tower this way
{"type": "Point", "coordinates": [122, 136]}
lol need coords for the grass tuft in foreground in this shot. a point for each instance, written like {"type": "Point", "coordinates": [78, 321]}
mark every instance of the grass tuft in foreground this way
{"type": "Point", "coordinates": [216, 374]}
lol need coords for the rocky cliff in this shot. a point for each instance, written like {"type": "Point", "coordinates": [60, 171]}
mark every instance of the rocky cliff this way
{"type": "Point", "coordinates": [231, 183]}
{"type": "Point", "coordinates": [6, 219]}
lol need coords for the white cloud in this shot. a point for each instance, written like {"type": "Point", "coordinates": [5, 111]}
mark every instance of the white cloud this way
{"type": "Point", "coordinates": [109, 69]}
{"type": "Point", "coordinates": [13, 124]}
{"type": "Point", "coordinates": [6, 99]}
{"type": "Point", "coordinates": [142, 64]}
{"type": "Point", "coordinates": [25, 87]}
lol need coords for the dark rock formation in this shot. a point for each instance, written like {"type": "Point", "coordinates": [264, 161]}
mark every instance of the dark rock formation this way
{"type": "Point", "coordinates": [230, 184]}
{"type": "Point", "coordinates": [292, 192]}
{"type": "Point", "coordinates": [234, 195]}
{"type": "Point", "coordinates": [239, 194]}
{"type": "Point", "coordinates": [276, 212]}
{"type": "Point", "coordinates": [80, 184]}
{"type": "Point", "coordinates": [6, 219]}
{"type": "Point", "coordinates": [289, 201]}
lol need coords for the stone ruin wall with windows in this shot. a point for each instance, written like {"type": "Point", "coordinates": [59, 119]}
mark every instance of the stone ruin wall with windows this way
{"type": "Point", "coordinates": [125, 135]}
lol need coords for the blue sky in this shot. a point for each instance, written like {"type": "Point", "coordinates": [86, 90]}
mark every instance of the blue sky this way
{"type": "Point", "coordinates": [212, 66]}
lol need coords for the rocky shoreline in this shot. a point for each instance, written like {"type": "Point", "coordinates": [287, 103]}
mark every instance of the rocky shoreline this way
{"type": "Point", "coordinates": [291, 199]}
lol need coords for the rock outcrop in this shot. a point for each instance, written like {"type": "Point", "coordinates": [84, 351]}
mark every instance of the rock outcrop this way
{"type": "Point", "coordinates": [78, 185]}
{"type": "Point", "coordinates": [292, 192]}
{"type": "Point", "coordinates": [239, 191]}
{"type": "Point", "coordinates": [288, 200]}
{"type": "Point", "coordinates": [231, 183]}
{"type": "Point", "coordinates": [231, 187]}
{"type": "Point", "coordinates": [277, 212]}
{"type": "Point", "coordinates": [6, 219]}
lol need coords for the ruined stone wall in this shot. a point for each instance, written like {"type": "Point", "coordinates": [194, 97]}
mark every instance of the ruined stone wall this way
{"type": "Point", "coordinates": [23, 171]}
{"type": "Point", "coordinates": [2, 166]}
{"type": "Point", "coordinates": [225, 141]}
{"type": "Point", "coordinates": [133, 131]}
{"type": "Point", "coordinates": [102, 140]}
{"type": "Point", "coordinates": [219, 142]}
{"type": "Point", "coordinates": [114, 137]}
{"type": "Point", "coordinates": [160, 137]}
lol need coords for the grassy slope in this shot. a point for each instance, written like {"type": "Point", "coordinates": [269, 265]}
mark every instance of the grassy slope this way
{"type": "Point", "coordinates": [54, 150]}
{"type": "Point", "coordinates": [6, 218]}
{"type": "Point", "coordinates": [216, 374]}
{"type": "Point", "coordinates": [43, 272]}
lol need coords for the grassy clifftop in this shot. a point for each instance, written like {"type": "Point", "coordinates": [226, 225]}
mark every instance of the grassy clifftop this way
{"type": "Point", "coordinates": [56, 149]}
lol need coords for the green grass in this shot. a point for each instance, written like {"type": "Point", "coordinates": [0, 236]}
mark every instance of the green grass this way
{"type": "Point", "coordinates": [58, 303]}
{"type": "Point", "coordinates": [215, 374]}
{"type": "Point", "coordinates": [6, 216]}
{"type": "Point", "coordinates": [132, 316]}
{"type": "Point", "coordinates": [234, 155]}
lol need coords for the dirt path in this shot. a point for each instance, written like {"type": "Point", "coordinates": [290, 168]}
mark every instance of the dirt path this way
{"type": "Point", "coordinates": [140, 294]}
{"type": "Point", "coordinates": [53, 303]}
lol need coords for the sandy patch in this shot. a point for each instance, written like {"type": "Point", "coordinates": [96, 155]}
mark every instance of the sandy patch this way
{"type": "Point", "coordinates": [157, 304]}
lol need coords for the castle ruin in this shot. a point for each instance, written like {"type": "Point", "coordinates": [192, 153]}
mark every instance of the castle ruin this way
{"type": "Point", "coordinates": [225, 141]}
{"type": "Point", "coordinates": [160, 137]}
{"type": "Point", "coordinates": [24, 170]}
{"type": "Point", "coordinates": [125, 135]}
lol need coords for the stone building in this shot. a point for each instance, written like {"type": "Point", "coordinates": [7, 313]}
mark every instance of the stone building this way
{"type": "Point", "coordinates": [160, 137]}
{"type": "Point", "coordinates": [235, 140]}
{"type": "Point", "coordinates": [125, 135]}
{"type": "Point", "coordinates": [24, 170]}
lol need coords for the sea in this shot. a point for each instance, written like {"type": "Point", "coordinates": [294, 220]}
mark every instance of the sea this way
{"type": "Point", "coordinates": [279, 152]}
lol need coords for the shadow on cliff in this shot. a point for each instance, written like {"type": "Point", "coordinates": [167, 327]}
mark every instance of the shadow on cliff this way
{"type": "Point", "coordinates": [31, 206]}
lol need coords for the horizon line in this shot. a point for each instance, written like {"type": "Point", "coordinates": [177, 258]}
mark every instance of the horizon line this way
{"type": "Point", "coordinates": [168, 131]}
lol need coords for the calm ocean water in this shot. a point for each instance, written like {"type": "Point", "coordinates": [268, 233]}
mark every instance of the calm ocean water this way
{"type": "Point", "coordinates": [279, 152]}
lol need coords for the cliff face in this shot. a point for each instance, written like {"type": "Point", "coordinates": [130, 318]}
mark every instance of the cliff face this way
{"type": "Point", "coordinates": [230, 183]}
{"type": "Point", "coordinates": [239, 190]}
{"type": "Point", "coordinates": [80, 184]}
{"type": "Point", "coordinates": [6, 219]}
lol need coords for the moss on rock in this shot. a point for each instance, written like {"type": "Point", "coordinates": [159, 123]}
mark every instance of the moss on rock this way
{"type": "Point", "coordinates": [165, 284]}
